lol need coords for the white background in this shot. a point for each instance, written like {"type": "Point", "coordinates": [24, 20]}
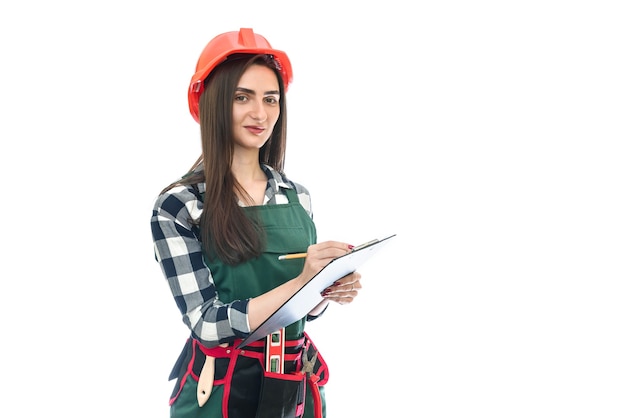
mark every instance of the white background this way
{"type": "Point", "coordinates": [488, 135]}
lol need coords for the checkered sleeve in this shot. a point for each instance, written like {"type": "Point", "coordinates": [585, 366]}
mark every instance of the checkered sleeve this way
{"type": "Point", "coordinates": [178, 251]}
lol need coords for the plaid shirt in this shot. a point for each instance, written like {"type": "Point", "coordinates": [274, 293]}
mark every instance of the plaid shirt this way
{"type": "Point", "coordinates": [178, 251]}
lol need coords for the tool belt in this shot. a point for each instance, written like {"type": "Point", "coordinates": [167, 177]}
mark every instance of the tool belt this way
{"type": "Point", "coordinates": [249, 390]}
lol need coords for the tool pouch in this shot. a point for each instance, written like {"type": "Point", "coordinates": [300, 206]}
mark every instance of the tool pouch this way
{"type": "Point", "coordinates": [251, 391]}
{"type": "Point", "coordinates": [285, 395]}
{"type": "Point", "coordinates": [282, 395]}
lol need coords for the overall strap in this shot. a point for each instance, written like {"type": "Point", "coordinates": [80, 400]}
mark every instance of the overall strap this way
{"type": "Point", "coordinates": [292, 195]}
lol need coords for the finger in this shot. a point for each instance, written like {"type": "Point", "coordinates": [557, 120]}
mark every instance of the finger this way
{"type": "Point", "coordinates": [355, 286]}
{"type": "Point", "coordinates": [341, 292]}
{"type": "Point", "coordinates": [352, 278]}
{"type": "Point", "coordinates": [342, 300]}
{"type": "Point", "coordinates": [329, 249]}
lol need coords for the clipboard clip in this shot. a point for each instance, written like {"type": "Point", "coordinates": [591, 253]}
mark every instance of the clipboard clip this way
{"type": "Point", "coordinates": [367, 244]}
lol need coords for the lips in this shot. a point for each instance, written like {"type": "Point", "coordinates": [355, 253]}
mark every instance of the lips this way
{"type": "Point", "coordinates": [256, 130]}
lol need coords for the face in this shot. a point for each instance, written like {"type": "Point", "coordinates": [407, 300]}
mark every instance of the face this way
{"type": "Point", "coordinates": [256, 107]}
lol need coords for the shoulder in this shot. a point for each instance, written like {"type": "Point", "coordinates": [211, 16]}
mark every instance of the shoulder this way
{"type": "Point", "coordinates": [299, 188]}
{"type": "Point", "coordinates": [182, 201]}
{"type": "Point", "coordinates": [303, 196]}
{"type": "Point", "coordinates": [279, 180]}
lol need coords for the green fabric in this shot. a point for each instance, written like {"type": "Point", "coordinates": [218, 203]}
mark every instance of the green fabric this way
{"type": "Point", "coordinates": [186, 406]}
{"type": "Point", "coordinates": [289, 229]}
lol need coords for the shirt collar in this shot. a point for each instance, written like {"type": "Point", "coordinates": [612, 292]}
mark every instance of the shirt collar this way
{"type": "Point", "coordinates": [276, 180]}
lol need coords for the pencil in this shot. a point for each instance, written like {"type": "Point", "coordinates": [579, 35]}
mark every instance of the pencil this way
{"type": "Point", "coordinates": [290, 256]}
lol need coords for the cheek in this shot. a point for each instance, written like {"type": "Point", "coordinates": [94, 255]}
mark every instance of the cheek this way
{"type": "Point", "coordinates": [273, 115]}
{"type": "Point", "coordinates": [237, 114]}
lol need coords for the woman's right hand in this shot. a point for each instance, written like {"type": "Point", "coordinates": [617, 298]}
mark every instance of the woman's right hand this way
{"type": "Point", "coordinates": [319, 255]}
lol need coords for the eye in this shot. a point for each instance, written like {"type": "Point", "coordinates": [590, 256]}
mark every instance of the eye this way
{"type": "Point", "coordinates": [241, 98]}
{"type": "Point", "coordinates": [271, 99]}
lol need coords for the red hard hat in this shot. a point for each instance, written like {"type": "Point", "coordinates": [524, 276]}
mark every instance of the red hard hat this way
{"type": "Point", "coordinates": [245, 41]}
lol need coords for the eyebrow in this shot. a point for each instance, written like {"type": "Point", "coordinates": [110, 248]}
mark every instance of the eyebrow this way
{"type": "Point", "coordinates": [245, 90]}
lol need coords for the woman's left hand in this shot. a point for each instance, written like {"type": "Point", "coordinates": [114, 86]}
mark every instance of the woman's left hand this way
{"type": "Point", "coordinates": [344, 290]}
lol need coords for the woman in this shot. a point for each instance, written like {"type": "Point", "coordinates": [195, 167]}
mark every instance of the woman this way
{"type": "Point", "coordinates": [217, 235]}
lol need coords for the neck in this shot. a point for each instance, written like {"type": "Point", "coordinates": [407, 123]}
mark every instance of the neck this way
{"type": "Point", "coordinates": [251, 177]}
{"type": "Point", "coordinates": [247, 170]}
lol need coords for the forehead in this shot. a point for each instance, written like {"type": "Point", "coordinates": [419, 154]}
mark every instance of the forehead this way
{"type": "Point", "coordinates": [259, 76]}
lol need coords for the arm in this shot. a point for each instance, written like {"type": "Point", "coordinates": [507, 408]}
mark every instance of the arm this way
{"type": "Point", "coordinates": [179, 254]}
{"type": "Point", "coordinates": [318, 256]}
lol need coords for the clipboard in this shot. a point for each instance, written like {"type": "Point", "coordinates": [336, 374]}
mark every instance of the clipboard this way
{"type": "Point", "coordinates": [309, 295]}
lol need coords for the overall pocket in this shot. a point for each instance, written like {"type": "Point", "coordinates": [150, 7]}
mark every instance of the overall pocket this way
{"type": "Point", "coordinates": [282, 395]}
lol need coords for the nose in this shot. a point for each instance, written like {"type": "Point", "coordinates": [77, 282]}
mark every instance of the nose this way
{"type": "Point", "coordinates": [258, 111]}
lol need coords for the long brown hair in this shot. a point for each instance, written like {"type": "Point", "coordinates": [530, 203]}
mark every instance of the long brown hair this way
{"type": "Point", "coordinates": [226, 231]}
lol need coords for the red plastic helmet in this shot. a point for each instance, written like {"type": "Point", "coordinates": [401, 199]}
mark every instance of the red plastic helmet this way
{"type": "Point", "coordinates": [219, 48]}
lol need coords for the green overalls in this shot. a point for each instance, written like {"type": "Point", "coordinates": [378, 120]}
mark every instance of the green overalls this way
{"type": "Point", "coordinates": [241, 387]}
